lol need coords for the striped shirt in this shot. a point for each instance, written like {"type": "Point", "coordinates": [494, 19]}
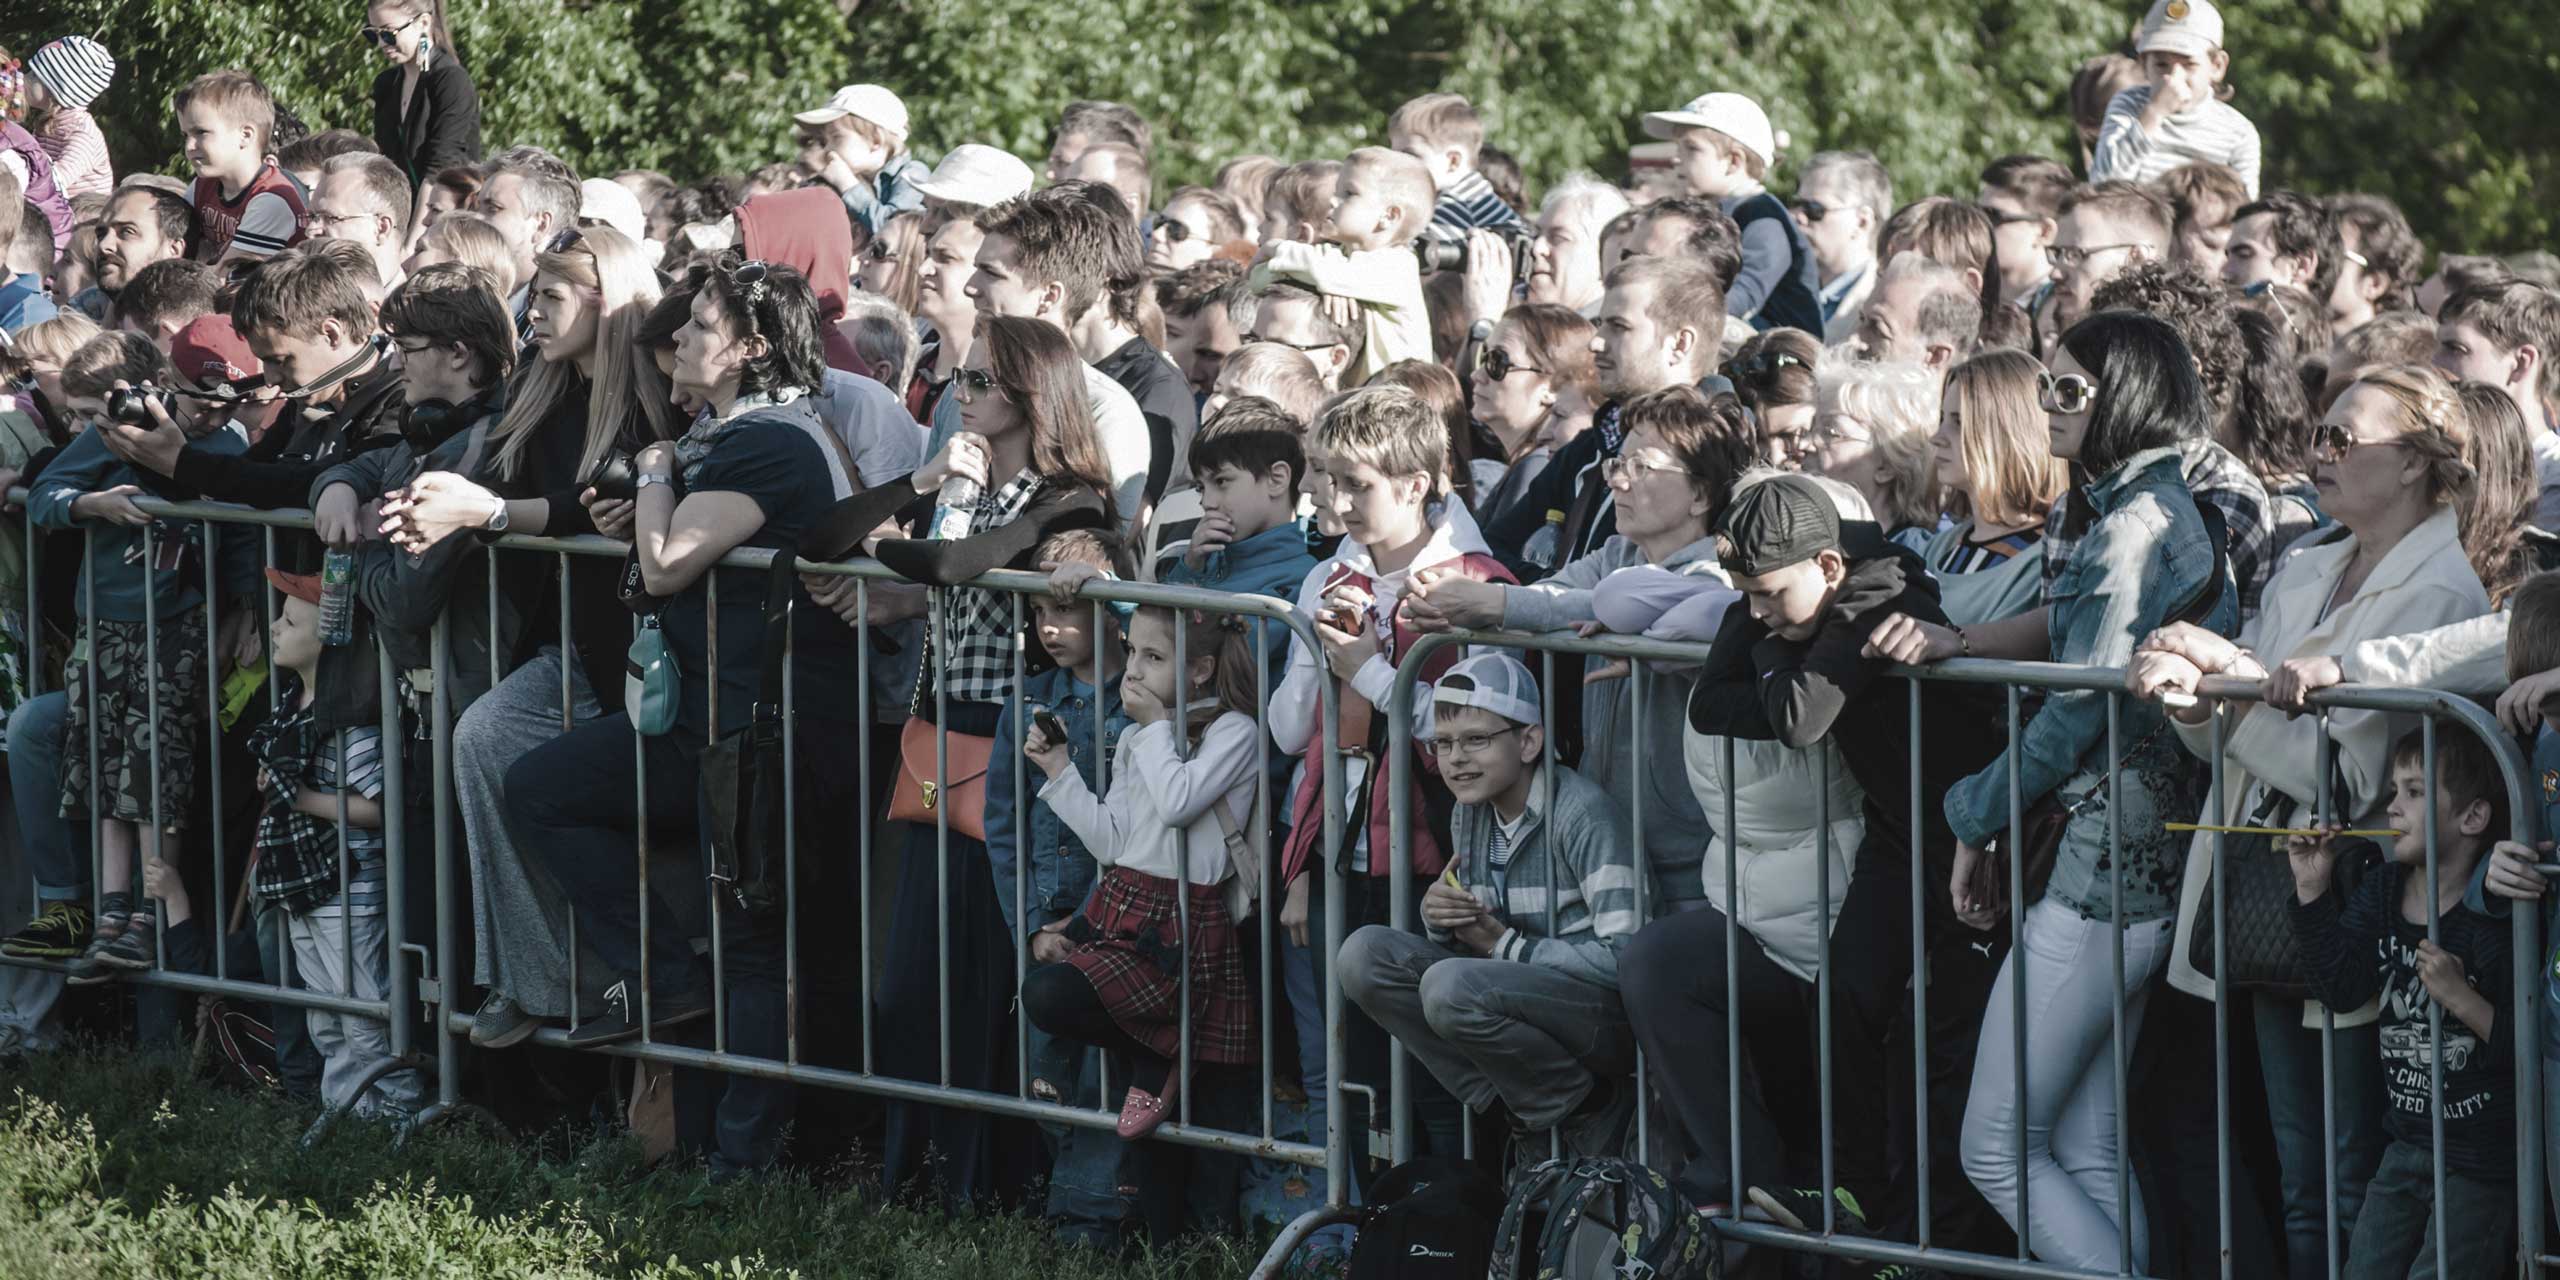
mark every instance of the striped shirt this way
{"type": "Point", "coordinates": [1969, 556]}
{"type": "Point", "coordinates": [267, 218]}
{"type": "Point", "coordinates": [2210, 130]}
{"type": "Point", "coordinates": [1468, 202]}
{"type": "Point", "coordinates": [79, 151]}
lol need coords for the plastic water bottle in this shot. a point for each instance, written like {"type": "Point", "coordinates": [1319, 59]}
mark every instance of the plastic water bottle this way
{"type": "Point", "coordinates": [337, 597]}
{"type": "Point", "coordinates": [954, 508]}
{"type": "Point", "coordinates": [1546, 546]}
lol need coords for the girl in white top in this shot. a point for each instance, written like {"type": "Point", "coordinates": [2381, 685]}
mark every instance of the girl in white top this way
{"type": "Point", "coordinates": [1111, 975]}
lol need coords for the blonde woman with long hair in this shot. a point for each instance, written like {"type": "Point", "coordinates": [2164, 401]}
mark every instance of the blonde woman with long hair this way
{"type": "Point", "coordinates": [586, 393]}
{"type": "Point", "coordinates": [1995, 462]}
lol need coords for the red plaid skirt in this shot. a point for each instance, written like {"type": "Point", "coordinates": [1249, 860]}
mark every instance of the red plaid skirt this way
{"type": "Point", "coordinates": [1132, 954]}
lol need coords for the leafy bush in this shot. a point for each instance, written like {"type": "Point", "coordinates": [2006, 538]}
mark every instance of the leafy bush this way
{"type": "Point", "coordinates": [2438, 103]}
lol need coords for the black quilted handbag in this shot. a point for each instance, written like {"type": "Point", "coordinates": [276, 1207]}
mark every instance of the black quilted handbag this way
{"type": "Point", "coordinates": [2259, 892]}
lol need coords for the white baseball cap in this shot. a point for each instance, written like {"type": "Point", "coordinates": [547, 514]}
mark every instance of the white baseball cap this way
{"type": "Point", "coordinates": [869, 101]}
{"type": "Point", "coordinates": [611, 203]}
{"type": "Point", "coordinates": [975, 173]}
{"type": "Point", "coordinates": [2191, 27]}
{"type": "Point", "coordinates": [1495, 682]}
{"type": "Point", "coordinates": [1731, 114]}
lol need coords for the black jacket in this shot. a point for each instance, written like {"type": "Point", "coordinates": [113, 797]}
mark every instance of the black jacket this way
{"type": "Point", "coordinates": [442, 126]}
{"type": "Point", "coordinates": [1758, 686]}
{"type": "Point", "coordinates": [1164, 400]}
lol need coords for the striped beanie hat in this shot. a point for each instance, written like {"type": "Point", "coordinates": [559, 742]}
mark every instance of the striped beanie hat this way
{"type": "Point", "coordinates": [74, 69]}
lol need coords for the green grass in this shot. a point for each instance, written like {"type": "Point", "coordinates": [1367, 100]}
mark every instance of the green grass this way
{"type": "Point", "coordinates": [117, 1166]}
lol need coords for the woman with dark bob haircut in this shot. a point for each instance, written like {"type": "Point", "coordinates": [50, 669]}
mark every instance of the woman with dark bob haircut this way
{"type": "Point", "coordinates": [749, 473]}
{"type": "Point", "coordinates": [2120, 395]}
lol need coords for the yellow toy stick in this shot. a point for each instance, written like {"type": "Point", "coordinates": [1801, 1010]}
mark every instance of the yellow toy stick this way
{"type": "Point", "coordinates": [2276, 831]}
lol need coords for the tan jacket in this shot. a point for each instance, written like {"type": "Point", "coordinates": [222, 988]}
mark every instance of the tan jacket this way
{"type": "Point", "coordinates": [2423, 582]}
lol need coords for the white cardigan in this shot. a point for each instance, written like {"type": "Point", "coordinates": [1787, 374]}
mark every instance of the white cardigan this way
{"type": "Point", "coordinates": [2423, 582]}
{"type": "Point", "coordinates": [1158, 809]}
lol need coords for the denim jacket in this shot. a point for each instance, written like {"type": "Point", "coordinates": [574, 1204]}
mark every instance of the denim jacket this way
{"type": "Point", "coordinates": [2145, 556]}
{"type": "Point", "coordinates": [1060, 872]}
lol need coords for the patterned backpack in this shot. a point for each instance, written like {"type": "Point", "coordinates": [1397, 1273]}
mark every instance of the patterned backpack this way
{"type": "Point", "coordinates": [1600, 1219]}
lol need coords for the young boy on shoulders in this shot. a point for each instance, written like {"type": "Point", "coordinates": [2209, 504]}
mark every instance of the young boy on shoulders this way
{"type": "Point", "coordinates": [245, 206]}
{"type": "Point", "coordinates": [1511, 993]}
{"type": "Point", "coordinates": [1443, 131]}
{"type": "Point", "coordinates": [857, 145]}
{"type": "Point", "coordinates": [2377, 937]}
{"type": "Point", "coordinates": [1381, 201]}
{"type": "Point", "coordinates": [1724, 149]}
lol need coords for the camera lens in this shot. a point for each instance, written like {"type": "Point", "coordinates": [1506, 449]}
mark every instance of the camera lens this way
{"type": "Point", "coordinates": [1440, 255]}
{"type": "Point", "coordinates": [130, 405]}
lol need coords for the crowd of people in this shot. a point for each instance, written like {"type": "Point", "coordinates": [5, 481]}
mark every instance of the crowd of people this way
{"type": "Point", "coordinates": [2129, 408]}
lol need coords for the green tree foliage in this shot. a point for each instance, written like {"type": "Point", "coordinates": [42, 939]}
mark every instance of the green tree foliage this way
{"type": "Point", "coordinates": [2441, 104]}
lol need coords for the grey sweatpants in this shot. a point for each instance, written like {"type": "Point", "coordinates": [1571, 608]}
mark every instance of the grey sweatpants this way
{"type": "Point", "coordinates": [351, 1046]}
{"type": "Point", "coordinates": [1528, 1036]}
{"type": "Point", "coordinates": [519, 921]}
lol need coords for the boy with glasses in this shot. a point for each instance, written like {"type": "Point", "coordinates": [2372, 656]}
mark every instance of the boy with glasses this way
{"type": "Point", "coordinates": [2023, 195]}
{"type": "Point", "coordinates": [1510, 995]}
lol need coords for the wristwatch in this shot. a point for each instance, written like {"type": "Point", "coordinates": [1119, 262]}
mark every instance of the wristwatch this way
{"type": "Point", "coordinates": [1480, 331]}
{"type": "Point", "coordinates": [497, 521]}
{"type": "Point", "coordinates": [648, 478]}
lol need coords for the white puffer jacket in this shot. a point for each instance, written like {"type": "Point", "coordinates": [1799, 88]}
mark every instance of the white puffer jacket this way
{"type": "Point", "coordinates": [1777, 816]}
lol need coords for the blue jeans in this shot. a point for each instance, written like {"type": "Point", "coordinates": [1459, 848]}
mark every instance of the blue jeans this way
{"type": "Point", "coordinates": [2395, 1236]}
{"type": "Point", "coordinates": [2289, 1062]}
{"type": "Point", "coordinates": [57, 849]}
{"type": "Point", "coordinates": [1085, 1199]}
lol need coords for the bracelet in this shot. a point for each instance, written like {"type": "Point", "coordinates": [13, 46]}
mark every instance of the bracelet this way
{"type": "Point", "coordinates": [647, 478]}
{"type": "Point", "coordinates": [1964, 642]}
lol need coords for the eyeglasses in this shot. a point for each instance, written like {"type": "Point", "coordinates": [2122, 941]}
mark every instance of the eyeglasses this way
{"type": "Point", "coordinates": [969, 384]}
{"type": "Point", "coordinates": [333, 219]}
{"type": "Point", "coordinates": [1999, 219]}
{"type": "Point", "coordinates": [1623, 472]}
{"type": "Point", "coordinates": [1294, 346]}
{"type": "Point", "coordinates": [2332, 443]}
{"type": "Point", "coordinates": [2069, 257]}
{"type": "Point", "coordinates": [1175, 232]}
{"type": "Point", "coordinates": [1473, 744]}
{"type": "Point", "coordinates": [1811, 211]}
{"type": "Point", "coordinates": [2066, 393]}
{"type": "Point", "coordinates": [387, 36]}
{"type": "Point", "coordinates": [1499, 365]}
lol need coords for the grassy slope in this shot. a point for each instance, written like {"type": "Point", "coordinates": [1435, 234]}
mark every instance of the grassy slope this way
{"type": "Point", "coordinates": [112, 1166]}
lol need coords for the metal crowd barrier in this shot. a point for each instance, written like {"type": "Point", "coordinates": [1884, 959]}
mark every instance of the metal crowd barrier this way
{"type": "Point", "coordinates": [2433, 709]}
{"type": "Point", "coordinates": [432, 985]}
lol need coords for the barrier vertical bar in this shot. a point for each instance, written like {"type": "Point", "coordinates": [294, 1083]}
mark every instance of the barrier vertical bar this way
{"type": "Point", "coordinates": [1264, 875]}
{"type": "Point", "coordinates": [1919, 974]}
{"type": "Point", "coordinates": [715, 892]}
{"type": "Point", "coordinates": [2435, 1008]}
{"type": "Point", "coordinates": [397, 1007]}
{"type": "Point", "coordinates": [153, 848]}
{"type": "Point", "coordinates": [449, 982]}
{"type": "Point", "coordinates": [2018, 961]}
{"type": "Point", "coordinates": [941, 606]}
{"type": "Point", "coordinates": [213, 758]}
{"type": "Point", "coordinates": [2116, 998]}
{"type": "Point", "coordinates": [862, 640]}
{"type": "Point", "coordinates": [1328, 747]}
{"type": "Point", "coordinates": [1636, 704]}
{"type": "Point", "coordinates": [790, 820]}
{"type": "Point", "coordinates": [1733, 988]}
{"type": "Point", "coordinates": [1822, 983]}
{"type": "Point", "coordinates": [1019, 708]}
{"type": "Point", "coordinates": [1182, 868]}
{"type": "Point", "coordinates": [2219, 807]}
{"type": "Point", "coordinates": [2328, 1037]}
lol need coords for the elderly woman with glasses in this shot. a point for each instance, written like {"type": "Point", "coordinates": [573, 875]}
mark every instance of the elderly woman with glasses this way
{"type": "Point", "coordinates": [2389, 463]}
{"type": "Point", "coordinates": [426, 114]}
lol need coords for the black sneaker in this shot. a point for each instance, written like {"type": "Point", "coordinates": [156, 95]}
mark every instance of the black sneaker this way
{"type": "Point", "coordinates": [136, 948]}
{"type": "Point", "coordinates": [59, 932]}
{"type": "Point", "coordinates": [621, 1018]}
{"type": "Point", "coordinates": [502, 1023]}
{"type": "Point", "coordinates": [1800, 1208]}
{"type": "Point", "coordinates": [91, 967]}
{"type": "Point", "coordinates": [1904, 1271]}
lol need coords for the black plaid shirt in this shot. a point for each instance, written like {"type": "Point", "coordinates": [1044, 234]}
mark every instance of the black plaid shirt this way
{"type": "Point", "coordinates": [974, 639]}
{"type": "Point", "coordinates": [2213, 474]}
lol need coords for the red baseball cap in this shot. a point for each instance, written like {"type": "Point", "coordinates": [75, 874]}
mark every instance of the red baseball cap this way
{"type": "Point", "coordinates": [304, 587]}
{"type": "Point", "coordinates": [210, 353]}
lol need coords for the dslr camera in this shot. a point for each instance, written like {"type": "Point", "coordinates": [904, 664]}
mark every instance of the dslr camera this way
{"type": "Point", "coordinates": [1438, 254]}
{"type": "Point", "coordinates": [132, 405]}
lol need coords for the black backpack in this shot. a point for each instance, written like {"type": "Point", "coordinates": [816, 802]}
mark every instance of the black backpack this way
{"type": "Point", "coordinates": [1600, 1219]}
{"type": "Point", "coordinates": [1428, 1219]}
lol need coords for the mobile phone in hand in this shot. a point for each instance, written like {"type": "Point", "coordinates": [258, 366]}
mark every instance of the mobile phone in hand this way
{"type": "Point", "coordinates": [1050, 726]}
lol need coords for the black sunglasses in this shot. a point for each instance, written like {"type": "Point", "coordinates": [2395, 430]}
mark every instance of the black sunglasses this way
{"type": "Point", "coordinates": [1811, 210]}
{"type": "Point", "coordinates": [386, 36]}
{"type": "Point", "coordinates": [1295, 346]}
{"type": "Point", "coordinates": [1763, 364]}
{"type": "Point", "coordinates": [1175, 232]}
{"type": "Point", "coordinates": [1499, 365]}
{"type": "Point", "coordinates": [969, 384]}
